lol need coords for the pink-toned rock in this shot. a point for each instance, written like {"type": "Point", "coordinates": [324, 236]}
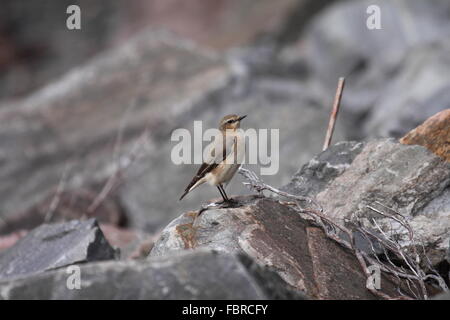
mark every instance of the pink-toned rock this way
{"type": "Point", "coordinates": [9, 240]}
{"type": "Point", "coordinates": [133, 244]}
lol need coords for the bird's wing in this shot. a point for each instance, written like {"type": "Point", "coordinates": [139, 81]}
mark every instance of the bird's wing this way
{"type": "Point", "coordinates": [212, 159]}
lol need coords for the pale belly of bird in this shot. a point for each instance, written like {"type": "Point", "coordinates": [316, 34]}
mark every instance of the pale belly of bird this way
{"type": "Point", "coordinates": [225, 171]}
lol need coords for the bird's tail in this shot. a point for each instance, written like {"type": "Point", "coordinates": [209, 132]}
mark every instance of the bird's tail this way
{"type": "Point", "coordinates": [196, 181]}
{"type": "Point", "coordinates": [184, 194]}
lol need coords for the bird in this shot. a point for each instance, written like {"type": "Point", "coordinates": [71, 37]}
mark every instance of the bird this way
{"type": "Point", "coordinates": [219, 168]}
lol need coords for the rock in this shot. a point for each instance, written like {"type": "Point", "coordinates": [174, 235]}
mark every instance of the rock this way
{"type": "Point", "coordinates": [132, 244]}
{"type": "Point", "coordinates": [408, 179]}
{"type": "Point", "coordinates": [53, 246]}
{"type": "Point", "coordinates": [273, 235]}
{"type": "Point", "coordinates": [200, 274]}
{"type": "Point", "coordinates": [314, 176]}
{"type": "Point", "coordinates": [405, 178]}
{"type": "Point", "coordinates": [433, 134]}
{"type": "Point", "coordinates": [442, 296]}
{"type": "Point", "coordinates": [448, 253]}
{"type": "Point", "coordinates": [431, 226]}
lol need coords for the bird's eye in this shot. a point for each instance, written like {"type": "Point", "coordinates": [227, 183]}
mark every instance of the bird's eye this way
{"type": "Point", "coordinates": [230, 121]}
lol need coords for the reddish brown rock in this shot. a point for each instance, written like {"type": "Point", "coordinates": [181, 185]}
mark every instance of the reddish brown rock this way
{"type": "Point", "coordinates": [433, 134]}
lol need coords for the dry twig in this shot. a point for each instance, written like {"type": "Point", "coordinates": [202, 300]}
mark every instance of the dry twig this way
{"type": "Point", "coordinates": [334, 113]}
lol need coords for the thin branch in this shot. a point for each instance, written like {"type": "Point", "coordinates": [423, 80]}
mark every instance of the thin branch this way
{"type": "Point", "coordinates": [334, 113]}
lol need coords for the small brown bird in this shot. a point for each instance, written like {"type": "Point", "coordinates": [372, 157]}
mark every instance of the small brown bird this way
{"type": "Point", "coordinates": [219, 167]}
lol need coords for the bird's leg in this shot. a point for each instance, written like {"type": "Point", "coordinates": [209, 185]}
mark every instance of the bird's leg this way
{"type": "Point", "coordinates": [224, 193]}
{"type": "Point", "coordinates": [229, 200]}
{"type": "Point", "coordinates": [225, 198]}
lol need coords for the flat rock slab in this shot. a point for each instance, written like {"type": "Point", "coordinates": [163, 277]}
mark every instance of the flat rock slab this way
{"type": "Point", "coordinates": [52, 246]}
{"type": "Point", "coordinates": [189, 275]}
{"type": "Point", "coordinates": [274, 235]}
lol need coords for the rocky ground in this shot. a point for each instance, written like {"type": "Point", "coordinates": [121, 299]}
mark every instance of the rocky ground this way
{"type": "Point", "coordinates": [87, 181]}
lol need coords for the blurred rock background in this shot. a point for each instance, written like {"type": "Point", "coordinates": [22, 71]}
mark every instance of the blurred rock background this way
{"type": "Point", "coordinates": [75, 103]}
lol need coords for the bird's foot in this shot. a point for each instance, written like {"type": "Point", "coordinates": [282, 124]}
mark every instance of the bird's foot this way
{"type": "Point", "coordinates": [230, 203]}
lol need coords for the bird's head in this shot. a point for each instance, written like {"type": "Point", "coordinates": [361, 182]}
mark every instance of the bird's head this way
{"type": "Point", "coordinates": [230, 122]}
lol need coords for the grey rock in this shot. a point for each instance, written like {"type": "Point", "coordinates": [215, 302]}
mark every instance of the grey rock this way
{"type": "Point", "coordinates": [431, 226]}
{"type": "Point", "coordinates": [200, 274]}
{"type": "Point", "coordinates": [448, 252]}
{"type": "Point", "coordinates": [323, 168]}
{"type": "Point", "coordinates": [390, 176]}
{"type": "Point", "coordinates": [348, 177]}
{"type": "Point", "coordinates": [407, 177]}
{"type": "Point", "coordinates": [273, 235]}
{"type": "Point", "coordinates": [52, 246]}
{"type": "Point", "coordinates": [442, 296]}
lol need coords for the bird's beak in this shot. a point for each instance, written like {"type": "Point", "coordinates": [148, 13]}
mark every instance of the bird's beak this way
{"type": "Point", "coordinates": [240, 118]}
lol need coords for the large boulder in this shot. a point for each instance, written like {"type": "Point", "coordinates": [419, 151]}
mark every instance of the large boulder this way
{"type": "Point", "coordinates": [189, 275]}
{"type": "Point", "coordinates": [53, 246]}
{"type": "Point", "coordinates": [274, 235]}
{"type": "Point", "coordinates": [314, 176]}
{"type": "Point", "coordinates": [390, 176]}
{"type": "Point", "coordinates": [386, 175]}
